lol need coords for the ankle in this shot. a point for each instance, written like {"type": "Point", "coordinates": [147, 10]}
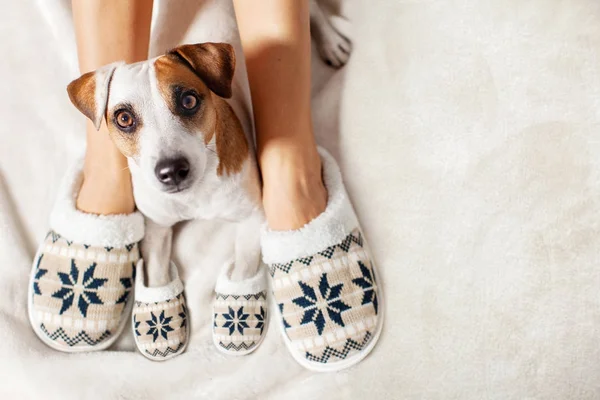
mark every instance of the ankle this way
{"type": "Point", "coordinates": [290, 160]}
{"type": "Point", "coordinates": [106, 191]}
{"type": "Point", "coordinates": [293, 189]}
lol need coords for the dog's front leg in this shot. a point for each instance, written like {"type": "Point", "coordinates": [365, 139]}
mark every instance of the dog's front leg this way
{"type": "Point", "coordinates": [247, 248]}
{"type": "Point", "coordinates": [159, 316]}
{"type": "Point", "coordinates": [156, 251]}
{"type": "Point", "coordinates": [240, 310]}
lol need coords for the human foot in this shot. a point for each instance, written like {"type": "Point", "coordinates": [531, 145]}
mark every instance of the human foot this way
{"type": "Point", "coordinates": [293, 190]}
{"type": "Point", "coordinates": [82, 276]}
{"type": "Point", "coordinates": [330, 305]}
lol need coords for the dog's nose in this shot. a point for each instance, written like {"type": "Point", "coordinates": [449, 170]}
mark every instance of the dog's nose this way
{"type": "Point", "coordinates": [172, 171]}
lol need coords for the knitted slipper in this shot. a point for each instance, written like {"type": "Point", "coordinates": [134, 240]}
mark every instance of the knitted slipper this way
{"type": "Point", "coordinates": [82, 276]}
{"type": "Point", "coordinates": [159, 318]}
{"type": "Point", "coordinates": [324, 283]}
{"type": "Point", "coordinates": [240, 314]}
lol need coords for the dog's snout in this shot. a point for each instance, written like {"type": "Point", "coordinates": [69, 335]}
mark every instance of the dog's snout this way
{"type": "Point", "coordinates": [172, 171]}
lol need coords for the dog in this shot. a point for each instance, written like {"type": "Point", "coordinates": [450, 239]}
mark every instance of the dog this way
{"type": "Point", "coordinates": [189, 156]}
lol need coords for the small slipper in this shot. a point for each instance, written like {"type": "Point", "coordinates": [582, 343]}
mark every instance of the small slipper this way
{"type": "Point", "coordinates": [83, 273]}
{"type": "Point", "coordinates": [324, 283]}
{"type": "Point", "coordinates": [159, 318]}
{"type": "Point", "coordinates": [240, 314]}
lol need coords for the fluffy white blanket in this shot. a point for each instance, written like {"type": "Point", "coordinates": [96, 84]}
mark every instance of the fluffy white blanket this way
{"type": "Point", "coordinates": [468, 135]}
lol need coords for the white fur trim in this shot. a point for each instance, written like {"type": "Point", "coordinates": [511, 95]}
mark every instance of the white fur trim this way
{"type": "Point", "coordinates": [253, 285]}
{"type": "Point", "coordinates": [328, 229]}
{"type": "Point", "coordinates": [83, 228]}
{"type": "Point", "coordinates": [157, 294]}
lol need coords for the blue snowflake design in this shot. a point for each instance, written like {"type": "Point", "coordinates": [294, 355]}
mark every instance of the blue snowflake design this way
{"type": "Point", "coordinates": [89, 293]}
{"type": "Point", "coordinates": [285, 323]}
{"type": "Point", "coordinates": [367, 284]}
{"type": "Point", "coordinates": [183, 316]}
{"type": "Point", "coordinates": [235, 320]}
{"type": "Point", "coordinates": [260, 318]}
{"type": "Point", "coordinates": [159, 326]}
{"type": "Point", "coordinates": [38, 274]}
{"type": "Point", "coordinates": [127, 284]}
{"type": "Point", "coordinates": [136, 325]}
{"type": "Point", "coordinates": [313, 307]}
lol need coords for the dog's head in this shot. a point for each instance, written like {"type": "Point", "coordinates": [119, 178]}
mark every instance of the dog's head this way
{"type": "Point", "coordinates": [166, 114]}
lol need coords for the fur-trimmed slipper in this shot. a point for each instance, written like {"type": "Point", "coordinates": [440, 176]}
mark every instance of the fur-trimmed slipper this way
{"type": "Point", "coordinates": [240, 314]}
{"type": "Point", "coordinates": [324, 283]}
{"type": "Point", "coordinates": [83, 273]}
{"type": "Point", "coordinates": [159, 318]}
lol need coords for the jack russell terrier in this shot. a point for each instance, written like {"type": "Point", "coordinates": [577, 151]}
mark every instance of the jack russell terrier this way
{"type": "Point", "coordinates": [189, 158]}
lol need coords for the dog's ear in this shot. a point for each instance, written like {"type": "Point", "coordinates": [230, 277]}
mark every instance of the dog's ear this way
{"type": "Point", "coordinates": [89, 92]}
{"type": "Point", "coordinates": [214, 63]}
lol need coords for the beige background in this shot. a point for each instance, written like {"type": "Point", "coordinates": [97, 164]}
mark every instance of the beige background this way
{"type": "Point", "coordinates": [468, 133]}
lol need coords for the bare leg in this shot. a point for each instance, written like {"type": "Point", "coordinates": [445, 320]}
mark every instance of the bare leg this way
{"type": "Point", "coordinates": [276, 39]}
{"type": "Point", "coordinates": [108, 31]}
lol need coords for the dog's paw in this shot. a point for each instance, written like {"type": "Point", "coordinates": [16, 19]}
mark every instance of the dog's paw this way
{"type": "Point", "coordinates": [333, 42]}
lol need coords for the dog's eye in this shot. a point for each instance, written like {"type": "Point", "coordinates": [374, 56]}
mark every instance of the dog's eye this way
{"type": "Point", "coordinates": [189, 101]}
{"type": "Point", "coordinates": [124, 119]}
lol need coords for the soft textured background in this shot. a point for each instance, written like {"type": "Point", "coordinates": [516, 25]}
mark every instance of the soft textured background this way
{"type": "Point", "coordinates": [468, 135]}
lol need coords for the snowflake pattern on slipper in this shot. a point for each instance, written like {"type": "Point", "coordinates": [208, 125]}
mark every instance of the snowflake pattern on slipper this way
{"type": "Point", "coordinates": [160, 318]}
{"type": "Point", "coordinates": [239, 322]}
{"type": "Point", "coordinates": [328, 302]}
{"type": "Point", "coordinates": [80, 293]}
{"type": "Point", "coordinates": [324, 283]}
{"type": "Point", "coordinates": [160, 328]}
{"type": "Point", "coordinates": [83, 273]}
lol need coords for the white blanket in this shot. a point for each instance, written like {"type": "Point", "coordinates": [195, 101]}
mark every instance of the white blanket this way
{"type": "Point", "coordinates": [468, 135]}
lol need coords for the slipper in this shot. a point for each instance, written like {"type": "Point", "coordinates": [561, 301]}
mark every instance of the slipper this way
{"type": "Point", "coordinates": [160, 318]}
{"type": "Point", "coordinates": [324, 283]}
{"type": "Point", "coordinates": [83, 273]}
{"type": "Point", "coordinates": [240, 314]}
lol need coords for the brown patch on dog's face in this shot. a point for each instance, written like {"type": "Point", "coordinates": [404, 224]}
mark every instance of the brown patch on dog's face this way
{"type": "Point", "coordinates": [124, 126]}
{"type": "Point", "coordinates": [179, 85]}
{"type": "Point", "coordinates": [214, 63]}
{"type": "Point", "coordinates": [232, 145]}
